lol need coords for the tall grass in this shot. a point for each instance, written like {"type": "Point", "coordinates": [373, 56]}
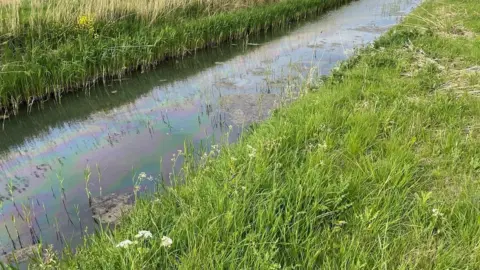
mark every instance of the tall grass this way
{"type": "Point", "coordinates": [39, 12]}
{"type": "Point", "coordinates": [376, 169]}
{"type": "Point", "coordinates": [48, 47]}
{"type": "Point", "coordinates": [67, 11]}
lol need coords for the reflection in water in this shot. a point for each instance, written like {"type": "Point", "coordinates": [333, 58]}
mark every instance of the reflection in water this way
{"type": "Point", "coordinates": [135, 125]}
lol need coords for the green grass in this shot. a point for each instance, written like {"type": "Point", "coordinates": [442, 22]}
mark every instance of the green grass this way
{"type": "Point", "coordinates": [42, 57]}
{"type": "Point", "coordinates": [376, 169]}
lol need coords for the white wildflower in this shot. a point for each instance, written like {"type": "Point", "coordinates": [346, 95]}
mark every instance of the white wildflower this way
{"type": "Point", "coordinates": [323, 145]}
{"type": "Point", "coordinates": [150, 178]}
{"type": "Point", "coordinates": [125, 244]}
{"type": "Point", "coordinates": [230, 127]}
{"type": "Point", "coordinates": [166, 241]}
{"type": "Point", "coordinates": [142, 175]}
{"type": "Point", "coordinates": [144, 234]}
{"type": "Point", "coordinates": [436, 213]}
{"type": "Point", "coordinates": [253, 151]}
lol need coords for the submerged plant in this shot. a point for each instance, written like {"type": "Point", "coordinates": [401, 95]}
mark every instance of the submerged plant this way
{"type": "Point", "coordinates": [86, 177]}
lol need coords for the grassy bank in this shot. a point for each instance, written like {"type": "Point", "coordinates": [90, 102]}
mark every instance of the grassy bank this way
{"type": "Point", "coordinates": [377, 168]}
{"type": "Point", "coordinates": [49, 47]}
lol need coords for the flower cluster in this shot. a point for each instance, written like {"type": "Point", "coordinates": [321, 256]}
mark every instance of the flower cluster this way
{"type": "Point", "coordinates": [144, 234]}
{"type": "Point", "coordinates": [86, 22]}
{"type": "Point", "coordinates": [253, 151]}
{"type": "Point", "coordinates": [165, 241]}
{"type": "Point", "coordinates": [215, 150]}
{"type": "Point", "coordinates": [142, 176]}
{"type": "Point", "coordinates": [126, 243]}
{"type": "Point", "coordinates": [436, 213]}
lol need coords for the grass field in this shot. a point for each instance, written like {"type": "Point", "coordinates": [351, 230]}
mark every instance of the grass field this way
{"type": "Point", "coordinates": [49, 47]}
{"type": "Point", "coordinates": [377, 168]}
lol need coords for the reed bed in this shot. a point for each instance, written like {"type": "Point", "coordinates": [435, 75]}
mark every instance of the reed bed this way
{"type": "Point", "coordinates": [67, 11]}
{"type": "Point", "coordinates": [49, 47]}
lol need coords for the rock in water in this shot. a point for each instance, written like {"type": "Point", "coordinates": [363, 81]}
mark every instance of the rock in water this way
{"type": "Point", "coordinates": [110, 208]}
{"type": "Point", "coordinates": [20, 255]}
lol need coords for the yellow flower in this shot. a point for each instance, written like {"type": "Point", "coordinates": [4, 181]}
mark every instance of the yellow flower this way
{"type": "Point", "coordinates": [86, 22]}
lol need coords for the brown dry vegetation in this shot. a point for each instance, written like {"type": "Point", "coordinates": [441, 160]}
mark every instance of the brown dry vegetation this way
{"type": "Point", "coordinates": [149, 10]}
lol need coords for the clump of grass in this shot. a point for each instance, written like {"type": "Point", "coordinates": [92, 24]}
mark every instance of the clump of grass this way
{"type": "Point", "coordinates": [374, 169]}
{"type": "Point", "coordinates": [49, 47]}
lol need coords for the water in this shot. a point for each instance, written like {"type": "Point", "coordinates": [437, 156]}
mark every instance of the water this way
{"type": "Point", "coordinates": [137, 124]}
